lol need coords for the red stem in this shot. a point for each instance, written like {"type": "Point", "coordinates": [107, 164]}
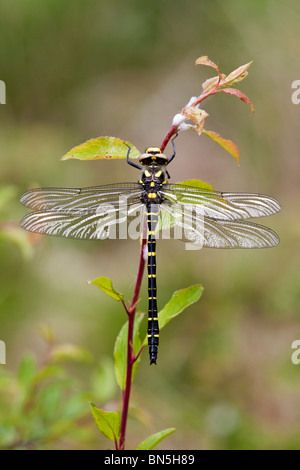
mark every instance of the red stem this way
{"type": "Point", "coordinates": [203, 96]}
{"type": "Point", "coordinates": [130, 353]}
{"type": "Point", "coordinates": [131, 358]}
{"type": "Point", "coordinates": [170, 134]}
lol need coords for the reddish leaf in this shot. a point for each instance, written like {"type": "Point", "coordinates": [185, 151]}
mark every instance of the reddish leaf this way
{"type": "Point", "coordinates": [238, 74]}
{"type": "Point", "coordinates": [225, 143]}
{"type": "Point", "coordinates": [210, 83]}
{"type": "Point", "coordinates": [197, 184]}
{"type": "Point", "coordinates": [204, 60]}
{"type": "Point", "coordinates": [239, 94]}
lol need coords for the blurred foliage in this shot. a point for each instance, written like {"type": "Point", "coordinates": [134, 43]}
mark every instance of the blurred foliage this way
{"type": "Point", "coordinates": [77, 70]}
{"type": "Point", "coordinates": [43, 406]}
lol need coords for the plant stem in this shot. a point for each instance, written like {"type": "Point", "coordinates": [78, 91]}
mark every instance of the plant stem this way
{"type": "Point", "coordinates": [170, 134]}
{"type": "Point", "coordinates": [130, 353]}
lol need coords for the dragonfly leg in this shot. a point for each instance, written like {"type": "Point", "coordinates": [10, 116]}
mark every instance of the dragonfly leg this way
{"type": "Point", "coordinates": [174, 150]}
{"type": "Point", "coordinates": [127, 158]}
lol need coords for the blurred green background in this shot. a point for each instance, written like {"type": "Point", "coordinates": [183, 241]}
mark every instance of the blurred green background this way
{"type": "Point", "coordinates": [77, 70]}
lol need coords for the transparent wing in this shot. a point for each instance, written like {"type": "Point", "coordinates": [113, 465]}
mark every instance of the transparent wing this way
{"type": "Point", "coordinates": [239, 234]}
{"type": "Point", "coordinates": [219, 205]}
{"type": "Point", "coordinates": [112, 223]}
{"type": "Point", "coordinates": [85, 200]}
{"type": "Point", "coordinates": [201, 231]}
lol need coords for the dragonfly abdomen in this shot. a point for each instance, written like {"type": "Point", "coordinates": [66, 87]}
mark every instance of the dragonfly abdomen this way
{"type": "Point", "coordinates": [153, 328]}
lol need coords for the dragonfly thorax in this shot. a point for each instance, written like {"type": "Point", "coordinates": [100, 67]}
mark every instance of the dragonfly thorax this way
{"type": "Point", "coordinates": [152, 179]}
{"type": "Point", "coordinates": [153, 175]}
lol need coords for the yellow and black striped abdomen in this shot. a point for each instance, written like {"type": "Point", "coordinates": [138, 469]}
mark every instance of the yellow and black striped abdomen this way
{"type": "Point", "coordinates": [153, 330]}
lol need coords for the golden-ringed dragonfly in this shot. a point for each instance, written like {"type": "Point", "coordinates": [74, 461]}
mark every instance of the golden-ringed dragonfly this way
{"type": "Point", "coordinates": [199, 217]}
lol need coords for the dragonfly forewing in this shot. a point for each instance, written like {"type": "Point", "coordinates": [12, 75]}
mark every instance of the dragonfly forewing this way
{"type": "Point", "coordinates": [77, 199]}
{"type": "Point", "coordinates": [222, 205]}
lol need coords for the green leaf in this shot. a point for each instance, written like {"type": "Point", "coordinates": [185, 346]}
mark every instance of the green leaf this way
{"type": "Point", "coordinates": [108, 422]}
{"type": "Point", "coordinates": [17, 237]}
{"type": "Point", "coordinates": [47, 334]}
{"type": "Point", "coordinates": [179, 301]}
{"type": "Point", "coordinates": [120, 351]}
{"type": "Point", "coordinates": [102, 148]}
{"type": "Point", "coordinates": [152, 441]}
{"type": "Point", "coordinates": [73, 408]}
{"type": "Point", "coordinates": [103, 382]}
{"type": "Point", "coordinates": [202, 185]}
{"type": "Point", "coordinates": [7, 193]}
{"type": "Point", "coordinates": [27, 371]}
{"type": "Point", "coordinates": [50, 396]}
{"type": "Point", "coordinates": [50, 371]}
{"type": "Point", "coordinates": [70, 352]}
{"type": "Point", "coordinates": [105, 284]}
{"type": "Point", "coordinates": [225, 143]}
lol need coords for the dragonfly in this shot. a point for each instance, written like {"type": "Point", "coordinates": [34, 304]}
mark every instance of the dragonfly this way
{"type": "Point", "coordinates": [198, 216]}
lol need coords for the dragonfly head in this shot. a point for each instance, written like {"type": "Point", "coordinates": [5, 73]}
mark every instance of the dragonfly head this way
{"type": "Point", "coordinates": [153, 155]}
